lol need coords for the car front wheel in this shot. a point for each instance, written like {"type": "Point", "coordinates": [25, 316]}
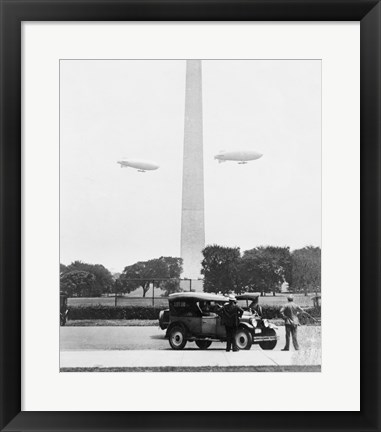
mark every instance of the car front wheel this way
{"type": "Point", "coordinates": [268, 345]}
{"type": "Point", "coordinates": [243, 339]}
{"type": "Point", "coordinates": [177, 338]}
{"type": "Point", "coordinates": [203, 344]}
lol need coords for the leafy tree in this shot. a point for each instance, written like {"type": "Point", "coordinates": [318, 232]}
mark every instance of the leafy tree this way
{"type": "Point", "coordinates": [63, 268]}
{"type": "Point", "coordinates": [265, 268]}
{"type": "Point", "coordinates": [118, 287]}
{"type": "Point", "coordinates": [103, 278]}
{"type": "Point", "coordinates": [220, 268]}
{"type": "Point", "coordinates": [143, 273]}
{"type": "Point", "coordinates": [132, 278]}
{"type": "Point", "coordinates": [174, 266]}
{"type": "Point", "coordinates": [170, 286]}
{"type": "Point", "coordinates": [306, 269]}
{"type": "Point", "coordinates": [77, 283]}
{"type": "Point", "coordinates": [116, 275]}
{"type": "Point", "coordinates": [174, 270]}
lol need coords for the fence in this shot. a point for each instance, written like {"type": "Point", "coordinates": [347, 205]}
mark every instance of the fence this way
{"type": "Point", "coordinates": [153, 296]}
{"type": "Point", "coordinates": [155, 299]}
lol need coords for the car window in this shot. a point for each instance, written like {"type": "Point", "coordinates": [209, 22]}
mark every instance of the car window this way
{"type": "Point", "coordinates": [242, 303]}
{"type": "Point", "coordinates": [184, 308]}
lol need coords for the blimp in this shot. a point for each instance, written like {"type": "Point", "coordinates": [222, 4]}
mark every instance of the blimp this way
{"type": "Point", "coordinates": [140, 165]}
{"type": "Point", "coordinates": [240, 156]}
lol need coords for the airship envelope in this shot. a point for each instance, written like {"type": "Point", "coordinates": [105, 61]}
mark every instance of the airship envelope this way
{"type": "Point", "coordinates": [140, 165]}
{"type": "Point", "coordinates": [240, 156]}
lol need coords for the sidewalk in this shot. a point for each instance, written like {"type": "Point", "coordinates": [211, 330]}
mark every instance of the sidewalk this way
{"type": "Point", "coordinates": [186, 358]}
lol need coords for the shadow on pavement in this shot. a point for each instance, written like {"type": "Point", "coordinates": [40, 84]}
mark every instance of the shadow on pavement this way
{"type": "Point", "coordinates": [157, 337]}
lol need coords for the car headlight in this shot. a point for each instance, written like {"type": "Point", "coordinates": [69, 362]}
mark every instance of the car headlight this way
{"type": "Point", "coordinates": [266, 323]}
{"type": "Point", "coordinates": [254, 322]}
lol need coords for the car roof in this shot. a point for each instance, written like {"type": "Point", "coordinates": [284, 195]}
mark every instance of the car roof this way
{"type": "Point", "coordinates": [247, 296]}
{"type": "Point", "coordinates": [198, 296]}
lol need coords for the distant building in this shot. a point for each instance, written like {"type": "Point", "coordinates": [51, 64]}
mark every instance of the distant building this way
{"type": "Point", "coordinates": [285, 287]}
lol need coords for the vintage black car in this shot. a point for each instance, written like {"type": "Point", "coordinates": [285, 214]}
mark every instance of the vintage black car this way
{"type": "Point", "coordinates": [192, 317]}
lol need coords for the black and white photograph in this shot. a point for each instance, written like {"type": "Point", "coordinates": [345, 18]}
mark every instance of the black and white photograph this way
{"type": "Point", "coordinates": [191, 202]}
{"type": "Point", "coordinates": [190, 215]}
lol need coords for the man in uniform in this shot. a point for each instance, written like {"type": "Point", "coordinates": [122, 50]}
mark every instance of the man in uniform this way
{"type": "Point", "coordinates": [289, 313]}
{"type": "Point", "coordinates": [230, 314]}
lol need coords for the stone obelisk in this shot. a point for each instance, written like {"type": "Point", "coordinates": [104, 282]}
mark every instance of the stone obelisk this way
{"type": "Point", "coordinates": [192, 215]}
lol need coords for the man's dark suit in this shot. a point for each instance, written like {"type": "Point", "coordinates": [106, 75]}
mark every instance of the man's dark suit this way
{"type": "Point", "coordinates": [230, 315]}
{"type": "Point", "coordinates": [289, 314]}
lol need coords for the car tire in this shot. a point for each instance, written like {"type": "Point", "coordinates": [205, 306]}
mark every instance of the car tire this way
{"type": "Point", "coordinates": [177, 338]}
{"type": "Point", "coordinates": [268, 345]}
{"type": "Point", "coordinates": [203, 344]}
{"type": "Point", "coordinates": [243, 339]}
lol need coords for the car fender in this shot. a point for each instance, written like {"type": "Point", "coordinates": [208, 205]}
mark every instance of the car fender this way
{"type": "Point", "coordinates": [176, 324]}
{"type": "Point", "coordinates": [163, 324]}
{"type": "Point", "coordinates": [247, 326]}
{"type": "Point", "coordinates": [272, 326]}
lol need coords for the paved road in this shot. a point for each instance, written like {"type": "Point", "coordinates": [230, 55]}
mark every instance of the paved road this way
{"type": "Point", "coordinates": [152, 338]}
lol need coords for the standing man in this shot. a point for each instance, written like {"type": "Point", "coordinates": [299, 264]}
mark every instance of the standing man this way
{"type": "Point", "coordinates": [230, 314]}
{"type": "Point", "coordinates": [290, 315]}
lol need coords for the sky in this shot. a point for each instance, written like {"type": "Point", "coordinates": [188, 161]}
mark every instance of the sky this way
{"type": "Point", "coordinates": [115, 109]}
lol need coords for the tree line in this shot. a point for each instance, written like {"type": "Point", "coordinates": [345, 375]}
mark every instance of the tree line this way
{"type": "Point", "coordinates": [81, 279]}
{"type": "Point", "coordinates": [262, 269]}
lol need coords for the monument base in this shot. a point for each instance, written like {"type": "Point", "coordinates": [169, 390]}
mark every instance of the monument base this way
{"type": "Point", "coordinates": [196, 285]}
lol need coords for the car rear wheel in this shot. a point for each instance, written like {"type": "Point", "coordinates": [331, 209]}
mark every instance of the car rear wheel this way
{"type": "Point", "coordinates": [268, 345]}
{"type": "Point", "coordinates": [177, 338]}
{"type": "Point", "coordinates": [243, 339]}
{"type": "Point", "coordinates": [202, 344]}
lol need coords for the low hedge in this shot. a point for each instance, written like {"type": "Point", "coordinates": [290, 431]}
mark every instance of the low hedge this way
{"type": "Point", "coordinates": [152, 312]}
{"type": "Point", "coordinates": [114, 312]}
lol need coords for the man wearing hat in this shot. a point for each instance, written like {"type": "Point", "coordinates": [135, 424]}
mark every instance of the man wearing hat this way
{"type": "Point", "coordinates": [230, 314]}
{"type": "Point", "coordinates": [289, 313]}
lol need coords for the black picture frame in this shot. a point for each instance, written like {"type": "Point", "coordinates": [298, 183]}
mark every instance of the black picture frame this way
{"type": "Point", "coordinates": [13, 12]}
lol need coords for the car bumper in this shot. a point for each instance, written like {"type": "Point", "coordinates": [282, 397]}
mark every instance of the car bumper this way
{"type": "Point", "coordinates": [259, 338]}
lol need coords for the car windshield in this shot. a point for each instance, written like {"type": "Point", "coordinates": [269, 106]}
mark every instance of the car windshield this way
{"type": "Point", "coordinates": [243, 303]}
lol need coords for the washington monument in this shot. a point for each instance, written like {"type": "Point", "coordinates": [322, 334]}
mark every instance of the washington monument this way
{"type": "Point", "coordinates": [192, 215]}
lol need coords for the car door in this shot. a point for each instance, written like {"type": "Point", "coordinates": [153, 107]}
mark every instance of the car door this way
{"type": "Point", "coordinates": [220, 328]}
{"type": "Point", "coordinates": [193, 324]}
{"type": "Point", "coordinates": [208, 325]}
